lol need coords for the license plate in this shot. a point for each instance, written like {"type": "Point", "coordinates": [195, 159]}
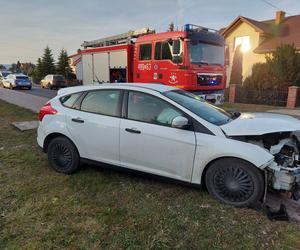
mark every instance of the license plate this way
{"type": "Point", "coordinates": [210, 97]}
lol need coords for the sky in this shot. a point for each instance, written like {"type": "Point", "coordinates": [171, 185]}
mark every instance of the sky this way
{"type": "Point", "coordinates": [28, 26]}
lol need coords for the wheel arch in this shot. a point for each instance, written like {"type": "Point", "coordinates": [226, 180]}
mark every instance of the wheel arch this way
{"type": "Point", "coordinates": [52, 136]}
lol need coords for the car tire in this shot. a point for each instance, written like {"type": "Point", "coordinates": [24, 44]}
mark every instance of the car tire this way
{"type": "Point", "coordinates": [63, 156]}
{"type": "Point", "coordinates": [11, 87]}
{"type": "Point", "coordinates": [235, 182]}
{"type": "Point", "coordinates": [29, 88]}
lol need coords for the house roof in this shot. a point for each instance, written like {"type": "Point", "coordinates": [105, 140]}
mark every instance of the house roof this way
{"type": "Point", "coordinates": [287, 32]}
{"type": "Point", "coordinates": [258, 26]}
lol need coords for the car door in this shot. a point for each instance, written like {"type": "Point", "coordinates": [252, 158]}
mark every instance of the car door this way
{"type": "Point", "coordinates": [95, 125]}
{"type": "Point", "coordinates": [148, 142]}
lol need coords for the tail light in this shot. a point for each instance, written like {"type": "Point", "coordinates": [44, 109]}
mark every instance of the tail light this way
{"type": "Point", "coordinates": [46, 110]}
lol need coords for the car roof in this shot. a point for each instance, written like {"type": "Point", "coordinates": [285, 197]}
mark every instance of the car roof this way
{"type": "Point", "coordinates": [142, 86]}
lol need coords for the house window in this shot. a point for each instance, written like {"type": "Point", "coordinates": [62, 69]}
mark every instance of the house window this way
{"type": "Point", "coordinates": [243, 42]}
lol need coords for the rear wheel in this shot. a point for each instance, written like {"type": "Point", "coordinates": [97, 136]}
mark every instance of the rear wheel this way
{"type": "Point", "coordinates": [235, 182]}
{"type": "Point", "coordinates": [63, 156]}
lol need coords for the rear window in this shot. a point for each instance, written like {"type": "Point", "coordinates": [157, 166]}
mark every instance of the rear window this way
{"type": "Point", "coordinates": [22, 78]}
{"type": "Point", "coordinates": [69, 100]}
{"type": "Point", "coordinates": [59, 78]}
{"type": "Point", "coordinates": [104, 102]}
{"type": "Point", "coordinates": [5, 74]}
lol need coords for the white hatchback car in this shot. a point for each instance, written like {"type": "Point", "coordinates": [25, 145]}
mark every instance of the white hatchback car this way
{"type": "Point", "coordinates": [168, 132]}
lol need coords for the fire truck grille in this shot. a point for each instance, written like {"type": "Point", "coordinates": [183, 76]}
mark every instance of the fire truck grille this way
{"type": "Point", "coordinates": [209, 80]}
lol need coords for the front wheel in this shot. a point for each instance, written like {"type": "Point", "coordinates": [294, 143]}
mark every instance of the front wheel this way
{"type": "Point", "coordinates": [235, 182]}
{"type": "Point", "coordinates": [63, 156]}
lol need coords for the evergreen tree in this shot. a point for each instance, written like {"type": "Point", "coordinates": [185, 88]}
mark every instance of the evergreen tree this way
{"type": "Point", "coordinates": [63, 67]}
{"type": "Point", "coordinates": [236, 76]}
{"type": "Point", "coordinates": [285, 64]}
{"type": "Point", "coordinates": [38, 72]}
{"type": "Point", "coordinates": [48, 66]}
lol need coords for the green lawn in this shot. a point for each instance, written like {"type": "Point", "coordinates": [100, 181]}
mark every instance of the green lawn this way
{"type": "Point", "coordinates": [97, 208]}
{"type": "Point", "coordinates": [247, 107]}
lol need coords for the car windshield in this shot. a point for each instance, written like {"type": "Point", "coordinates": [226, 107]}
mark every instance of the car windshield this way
{"type": "Point", "coordinates": [204, 53]}
{"type": "Point", "coordinates": [58, 78]}
{"type": "Point", "coordinates": [5, 74]}
{"type": "Point", "coordinates": [22, 77]}
{"type": "Point", "coordinates": [199, 107]}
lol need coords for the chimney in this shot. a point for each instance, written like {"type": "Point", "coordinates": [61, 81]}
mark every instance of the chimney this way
{"type": "Point", "coordinates": [279, 17]}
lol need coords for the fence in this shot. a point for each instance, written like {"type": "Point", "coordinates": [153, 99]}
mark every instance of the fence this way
{"type": "Point", "coordinates": [276, 97]}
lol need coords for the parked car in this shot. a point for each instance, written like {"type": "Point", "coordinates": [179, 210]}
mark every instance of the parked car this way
{"type": "Point", "coordinates": [3, 74]}
{"type": "Point", "coordinates": [13, 81]}
{"type": "Point", "coordinates": [53, 81]}
{"type": "Point", "coordinates": [169, 132]}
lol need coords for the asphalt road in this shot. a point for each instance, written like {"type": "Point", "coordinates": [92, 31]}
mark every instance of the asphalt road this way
{"type": "Point", "coordinates": [38, 91]}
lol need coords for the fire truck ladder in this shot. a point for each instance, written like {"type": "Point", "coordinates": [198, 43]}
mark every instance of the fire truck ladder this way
{"type": "Point", "coordinates": [124, 38]}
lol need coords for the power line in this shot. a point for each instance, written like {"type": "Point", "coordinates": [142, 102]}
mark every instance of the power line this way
{"type": "Point", "coordinates": [274, 6]}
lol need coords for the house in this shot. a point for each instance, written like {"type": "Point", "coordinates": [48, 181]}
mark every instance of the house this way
{"type": "Point", "coordinates": [256, 39]}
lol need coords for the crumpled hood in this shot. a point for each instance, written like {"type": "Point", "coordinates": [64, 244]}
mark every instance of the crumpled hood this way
{"type": "Point", "coordinates": [260, 123]}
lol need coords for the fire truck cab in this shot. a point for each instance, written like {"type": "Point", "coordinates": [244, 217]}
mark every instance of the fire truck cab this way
{"type": "Point", "coordinates": [191, 59]}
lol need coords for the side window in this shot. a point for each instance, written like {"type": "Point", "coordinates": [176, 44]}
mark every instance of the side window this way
{"type": "Point", "coordinates": [69, 100]}
{"type": "Point", "coordinates": [145, 51]}
{"type": "Point", "coordinates": [166, 51]}
{"type": "Point", "coordinates": [104, 102]}
{"type": "Point", "coordinates": [163, 51]}
{"type": "Point", "coordinates": [146, 108]}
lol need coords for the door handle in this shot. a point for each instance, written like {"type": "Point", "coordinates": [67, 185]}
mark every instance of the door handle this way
{"type": "Point", "coordinates": [78, 120]}
{"type": "Point", "coordinates": [133, 130]}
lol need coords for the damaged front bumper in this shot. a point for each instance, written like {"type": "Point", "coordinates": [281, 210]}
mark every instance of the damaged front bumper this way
{"type": "Point", "coordinates": [284, 178]}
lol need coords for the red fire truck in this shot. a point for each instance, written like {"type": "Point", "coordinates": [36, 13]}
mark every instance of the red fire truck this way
{"type": "Point", "coordinates": [192, 59]}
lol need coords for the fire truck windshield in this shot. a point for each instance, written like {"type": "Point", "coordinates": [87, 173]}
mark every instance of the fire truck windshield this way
{"type": "Point", "coordinates": [204, 53]}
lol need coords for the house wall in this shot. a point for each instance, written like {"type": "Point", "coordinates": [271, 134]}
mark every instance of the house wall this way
{"type": "Point", "coordinates": [249, 58]}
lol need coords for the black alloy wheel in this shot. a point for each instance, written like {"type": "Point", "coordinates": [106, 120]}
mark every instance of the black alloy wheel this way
{"type": "Point", "coordinates": [63, 155]}
{"type": "Point", "coordinates": [235, 182]}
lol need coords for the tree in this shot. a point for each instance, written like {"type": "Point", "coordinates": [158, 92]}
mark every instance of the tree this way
{"type": "Point", "coordinates": [284, 64]}
{"type": "Point", "coordinates": [47, 63]}
{"type": "Point", "coordinates": [13, 68]}
{"type": "Point", "coordinates": [236, 76]}
{"type": "Point", "coordinates": [38, 72]}
{"type": "Point", "coordinates": [27, 68]}
{"type": "Point", "coordinates": [18, 67]}
{"type": "Point", "coordinates": [63, 67]}
{"type": "Point", "coordinates": [2, 67]}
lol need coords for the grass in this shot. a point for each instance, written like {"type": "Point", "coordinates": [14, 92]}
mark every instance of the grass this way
{"type": "Point", "coordinates": [98, 208]}
{"type": "Point", "coordinates": [247, 107]}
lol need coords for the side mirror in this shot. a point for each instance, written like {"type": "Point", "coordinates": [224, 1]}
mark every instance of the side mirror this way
{"type": "Point", "coordinates": [177, 59]}
{"type": "Point", "coordinates": [180, 122]}
{"type": "Point", "coordinates": [176, 47]}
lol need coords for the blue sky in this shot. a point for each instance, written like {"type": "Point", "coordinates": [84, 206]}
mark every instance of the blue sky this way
{"type": "Point", "coordinates": [27, 26]}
